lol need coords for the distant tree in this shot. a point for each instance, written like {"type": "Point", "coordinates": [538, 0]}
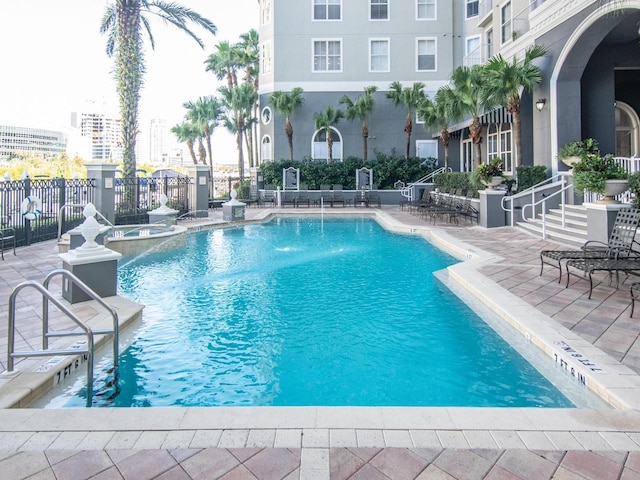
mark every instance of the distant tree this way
{"type": "Point", "coordinates": [124, 22]}
{"type": "Point", "coordinates": [409, 98]}
{"type": "Point", "coordinates": [224, 63]}
{"type": "Point", "coordinates": [505, 80]}
{"type": "Point", "coordinates": [238, 102]}
{"type": "Point", "coordinates": [466, 83]}
{"type": "Point", "coordinates": [361, 108]}
{"type": "Point", "coordinates": [324, 122]}
{"type": "Point", "coordinates": [187, 132]}
{"type": "Point", "coordinates": [286, 103]}
{"type": "Point", "coordinates": [437, 113]}
{"type": "Point", "coordinates": [205, 114]}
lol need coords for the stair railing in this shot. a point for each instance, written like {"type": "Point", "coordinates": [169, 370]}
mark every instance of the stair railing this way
{"type": "Point", "coordinates": [77, 205]}
{"type": "Point", "coordinates": [408, 191]}
{"type": "Point", "coordinates": [553, 187]}
{"type": "Point", "coordinates": [84, 329]}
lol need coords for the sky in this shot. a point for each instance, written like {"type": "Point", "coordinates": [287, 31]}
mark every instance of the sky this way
{"type": "Point", "coordinates": [54, 60]}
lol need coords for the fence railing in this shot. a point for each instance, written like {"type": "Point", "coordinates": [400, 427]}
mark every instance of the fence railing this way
{"type": "Point", "coordinates": [134, 197]}
{"type": "Point", "coordinates": [50, 195]}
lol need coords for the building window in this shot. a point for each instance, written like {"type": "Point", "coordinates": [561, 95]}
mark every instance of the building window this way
{"type": "Point", "coordinates": [427, 148]}
{"type": "Point", "coordinates": [266, 11]}
{"type": "Point", "coordinates": [506, 148]}
{"type": "Point", "coordinates": [266, 115]}
{"type": "Point", "coordinates": [379, 55]}
{"type": "Point", "coordinates": [489, 44]}
{"type": "Point", "coordinates": [266, 148]}
{"type": "Point", "coordinates": [472, 8]}
{"type": "Point", "coordinates": [426, 9]}
{"type": "Point", "coordinates": [327, 9]}
{"type": "Point", "coordinates": [265, 58]}
{"type": "Point", "coordinates": [492, 142]}
{"type": "Point", "coordinates": [472, 51]}
{"type": "Point", "coordinates": [320, 149]}
{"type": "Point", "coordinates": [378, 9]}
{"type": "Point", "coordinates": [426, 55]}
{"type": "Point", "coordinates": [500, 145]}
{"type": "Point", "coordinates": [327, 55]}
{"type": "Point", "coordinates": [505, 22]}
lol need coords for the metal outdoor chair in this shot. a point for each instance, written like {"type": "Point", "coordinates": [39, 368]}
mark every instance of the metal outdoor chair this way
{"type": "Point", "coordinates": [7, 237]}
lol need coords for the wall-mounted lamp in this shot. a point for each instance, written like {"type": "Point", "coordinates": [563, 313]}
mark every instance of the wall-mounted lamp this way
{"type": "Point", "coordinates": [541, 103]}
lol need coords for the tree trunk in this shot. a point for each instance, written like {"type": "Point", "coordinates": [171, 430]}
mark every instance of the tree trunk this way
{"type": "Point", "coordinates": [330, 146]}
{"type": "Point", "coordinates": [444, 138]}
{"type": "Point", "coordinates": [288, 129]}
{"type": "Point", "coordinates": [192, 152]}
{"type": "Point", "coordinates": [240, 155]}
{"type": "Point", "coordinates": [202, 152]}
{"type": "Point", "coordinates": [408, 127]}
{"type": "Point", "coordinates": [365, 149]}
{"type": "Point", "coordinates": [514, 109]}
{"type": "Point", "coordinates": [475, 130]}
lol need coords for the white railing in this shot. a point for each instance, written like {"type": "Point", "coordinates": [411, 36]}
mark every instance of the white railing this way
{"type": "Point", "coordinates": [409, 191]}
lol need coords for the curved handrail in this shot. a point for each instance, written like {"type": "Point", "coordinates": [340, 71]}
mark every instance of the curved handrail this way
{"type": "Point", "coordinates": [76, 205]}
{"type": "Point", "coordinates": [407, 191]}
{"type": "Point", "coordinates": [11, 353]}
{"type": "Point", "coordinates": [94, 296]}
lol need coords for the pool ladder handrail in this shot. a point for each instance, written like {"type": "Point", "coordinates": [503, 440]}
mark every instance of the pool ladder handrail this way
{"type": "Point", "coordinates": [46, 334]}
{"type": "Point", "coordinates": [77, 205]}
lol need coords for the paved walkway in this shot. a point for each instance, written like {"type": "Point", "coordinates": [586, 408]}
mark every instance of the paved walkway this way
{"type": "Point", "coordinates": [341, 443]}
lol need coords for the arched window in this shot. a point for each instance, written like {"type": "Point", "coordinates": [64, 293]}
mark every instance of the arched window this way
{"type": "Point", "coordinates": [265, 151]}
{"type": "Point", "coordinates": [319, 150]}
{"type": "Point", "coordinates": [626, 130]}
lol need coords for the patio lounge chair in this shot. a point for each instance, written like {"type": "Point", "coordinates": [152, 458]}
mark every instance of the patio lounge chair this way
{"type": "Point", "coordinates": [289, 198]}
{"type": "Point", "coordinates": [303, 196]}
{"type": "Point", "coordinates": [629, 265]}
{"type": "Point", "coordinates": [618, 246]}
{"type": "Point", "coordinates": [7, 237]}
{"type": "Point", "coordinates": [338, 195]}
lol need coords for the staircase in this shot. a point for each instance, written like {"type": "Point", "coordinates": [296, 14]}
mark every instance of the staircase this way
{"type": "Point", "coordinates": [574, 232]}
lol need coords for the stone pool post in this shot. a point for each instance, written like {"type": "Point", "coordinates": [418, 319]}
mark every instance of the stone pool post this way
{"type": "Point", "coordinates": [105, 199]}
{"type": "Point", "coordinates": [601, 218]}
{"type": "Point", "coordinates": [199, 190]}
{"type": "Point", "coordinates": [491, 212]}
{"type": "Point", "coordinates": [93, 264]}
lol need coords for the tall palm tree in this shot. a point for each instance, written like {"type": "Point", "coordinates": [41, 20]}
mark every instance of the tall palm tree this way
{"type": "Point", "coordinates": [324, 121]}
{"type": "Point", "coordinates": [187, 132]}
{"type": "Point", "coordinates": [248, 49]}
{"type": "Point", "coordinates": [361, 108]}
{"type": "Point", "coordinates": [409, 98]}
{"type": "Point", "coordinates": [224, 63]}
{"type": "Point", "coordinates": [124, 22]}
{"type": "Point", "coordinates": [437, 113]}
{"type": "Point", "coordinates": [205, 114]}
{"type": "Point", "coordinates": [466, 83]}
{"type": "Point", "coordinates": [504, 80]}
{"type": "Point", "coordinates": [238, 102]}
{"type": "Point", "coordinates": [286, 103]}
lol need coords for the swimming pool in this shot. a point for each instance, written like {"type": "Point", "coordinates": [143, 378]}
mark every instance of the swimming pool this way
{"type": "Point", "coordinates": [300, 311]}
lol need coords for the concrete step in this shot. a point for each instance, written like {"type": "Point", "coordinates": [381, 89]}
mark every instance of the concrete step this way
{"type": "Point", "coordinates": [567, 236]}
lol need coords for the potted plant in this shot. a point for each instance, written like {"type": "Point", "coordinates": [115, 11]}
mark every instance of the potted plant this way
{"type": "Point", "coordinates": [602, 175]}
{"type": "Point", "coordinates": [491, 174]}
{"type": "Point", "coordinates": [573, 152]}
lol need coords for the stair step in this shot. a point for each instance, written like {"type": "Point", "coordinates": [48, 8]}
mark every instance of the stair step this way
{"type": "Point", "coordinates": [573, 237]}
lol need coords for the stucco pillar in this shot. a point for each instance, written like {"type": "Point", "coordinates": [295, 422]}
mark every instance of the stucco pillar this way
{"type": "Point", "coordinates": [199, 190]}
{"type": "Point", "coordinates": [105, 198]}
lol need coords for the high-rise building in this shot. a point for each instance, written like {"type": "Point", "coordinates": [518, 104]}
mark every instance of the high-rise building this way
{"type": "Point", "coordinates": [332, 48]}
{"type": "Point", "coordinates": [98, 123]}
{"type": "Point", "coordinates": [28, 138]}
{"type": "Point", "coordinates": [158, 142]}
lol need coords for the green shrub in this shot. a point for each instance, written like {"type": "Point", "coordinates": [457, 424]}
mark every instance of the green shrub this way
{"type": "Point", "coordinates": [528, 176]}
{"type": "Point", "coordinates": [451, 181]}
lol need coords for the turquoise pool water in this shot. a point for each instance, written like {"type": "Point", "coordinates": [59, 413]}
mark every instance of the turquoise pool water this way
{"type": "Point", "coordinates": [300, 311]}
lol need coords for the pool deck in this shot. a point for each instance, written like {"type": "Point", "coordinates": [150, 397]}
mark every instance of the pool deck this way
{"type": "Point", "coordinates": [502, 268]}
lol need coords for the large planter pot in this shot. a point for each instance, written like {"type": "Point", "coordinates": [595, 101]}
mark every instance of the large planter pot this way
{"type": "Point", "coordinates": [569, 161]}
{"type": "Point", "coordinates": [613, 188]}
{"type": "Point", "coordinates": [493, 182]}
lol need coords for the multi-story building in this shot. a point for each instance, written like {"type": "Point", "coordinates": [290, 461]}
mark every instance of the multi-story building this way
{"type": "Point", "coordinates": [158, 142]}
{"type": "Point", "coordinates": [335, 47]}
{"type": "Point", "coordinates": [104, 132]}
{"type": "Point", "coordinates": [31, 139]}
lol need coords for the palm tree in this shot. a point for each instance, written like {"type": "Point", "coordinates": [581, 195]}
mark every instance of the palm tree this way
{"type": "Point", "coordinates": [466, 83]}
{"type": "Point", "coordinates": [286, 103]}
{"type": "Point", "coordinates": [205, 114]}
{"type": "Point", "coordinates": [324, 121]}
{"type": "Point", "coordinates": [437, 113]}
{"type": "Point", "coordinates": [124, 23]}
{"type": "Point", "coordinates": [410, 98]}
{"type": "Point", "coordinates": [187, 132]}
{"type": "Point", "coordinates": [238, 102]}
{"type": "Point", "coordinates": [361, 108]}
{"type": "Point", "coordinates": [224, 63]}
{"type": "Point", "coordinates": [248, 52]}
{"type": "Point", "coordinates": [504, 80]}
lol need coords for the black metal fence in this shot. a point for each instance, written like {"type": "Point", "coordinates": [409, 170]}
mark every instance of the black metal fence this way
{"type": "Point", "coordinates": [137, 196]}
{"type": "Point", "coordinates": [36, 219]}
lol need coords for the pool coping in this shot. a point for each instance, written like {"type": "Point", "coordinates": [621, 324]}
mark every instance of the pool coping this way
{"type": "Point", "coordinates": [619, 384]}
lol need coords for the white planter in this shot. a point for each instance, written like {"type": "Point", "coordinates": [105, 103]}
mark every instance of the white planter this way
{"type": "Point", "coordinates": [569, 161]}
{"type": "Point", "coordinates": [613, 188]}
{"type": "Point", "coordinates": [493, 183]}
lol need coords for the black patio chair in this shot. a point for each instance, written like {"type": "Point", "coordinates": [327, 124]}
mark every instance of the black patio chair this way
{"type": "Point", "coordinates": [619, 246]}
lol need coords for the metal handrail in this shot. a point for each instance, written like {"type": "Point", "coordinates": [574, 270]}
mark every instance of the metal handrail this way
{"type": "Point", "coordinates": [554, 181]}
{"type": "Point", "coordinates": [77, 205]}
{"type": "Point", "coordinates": [85, 329]}
{"type": "Point", "coordinates": [407, 191]}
